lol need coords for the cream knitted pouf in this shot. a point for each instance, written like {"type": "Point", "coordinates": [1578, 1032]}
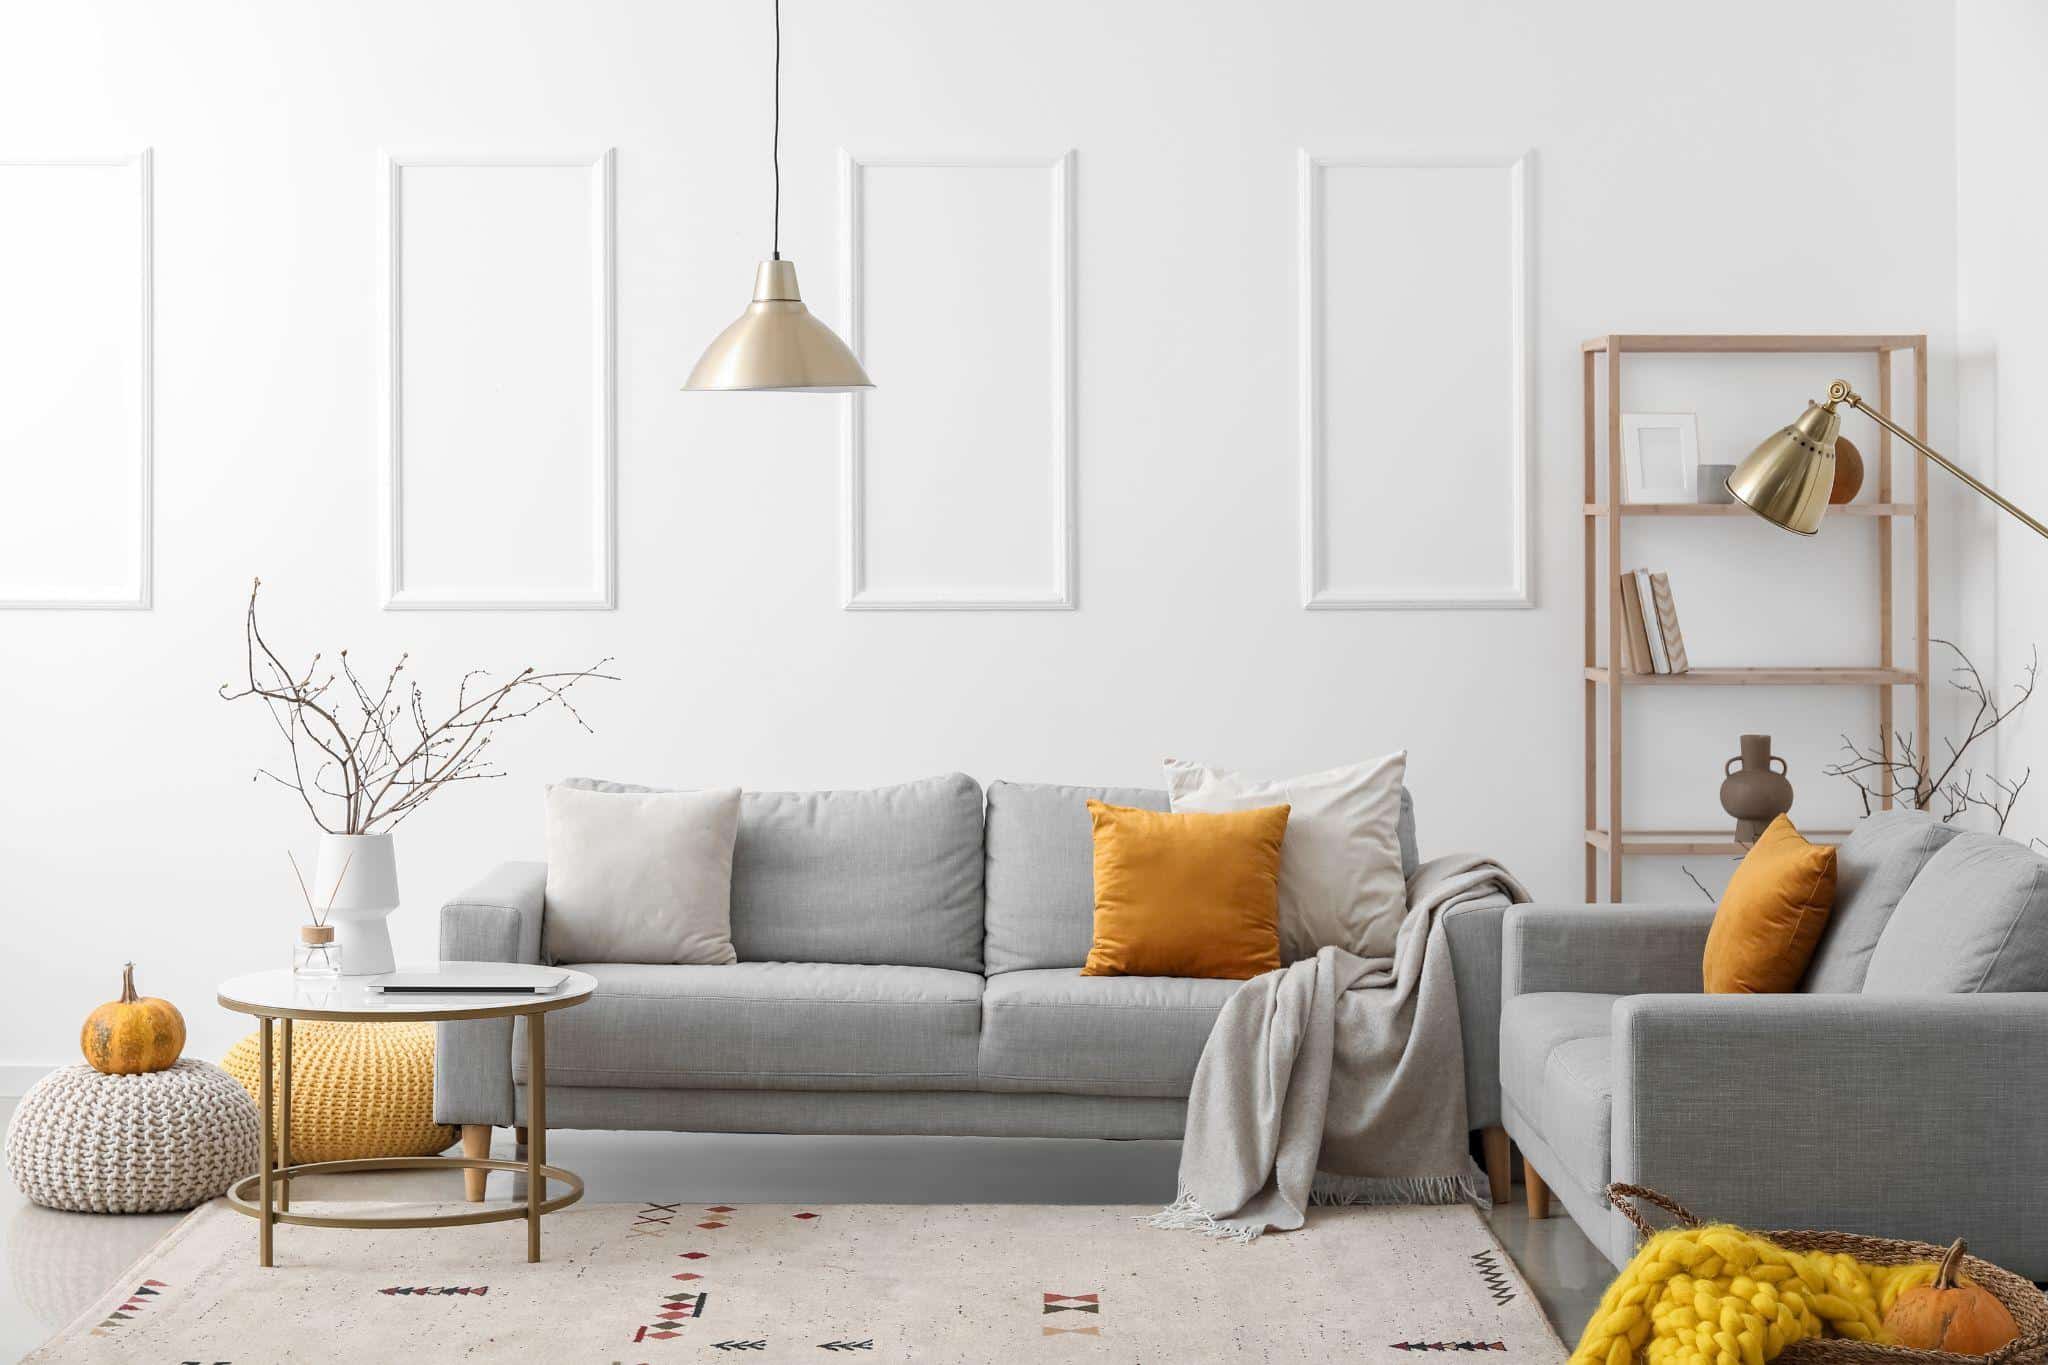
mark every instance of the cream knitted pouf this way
{"type": "Point", "coordinates": [151, 1143]}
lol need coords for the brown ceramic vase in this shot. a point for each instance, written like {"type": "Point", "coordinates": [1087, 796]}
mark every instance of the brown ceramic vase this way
{"type": "Point", "coordinates": [1756, 794]}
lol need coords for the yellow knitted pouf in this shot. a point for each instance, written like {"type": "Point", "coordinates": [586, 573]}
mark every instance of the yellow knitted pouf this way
{"type": "Point", "coordinates": [358, 1090]}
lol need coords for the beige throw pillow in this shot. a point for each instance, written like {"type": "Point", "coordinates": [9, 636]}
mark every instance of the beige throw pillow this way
{"type": "Point", "coordinates": [640, 877]}
{"type": "Point", "coordinates": [1340, 866]}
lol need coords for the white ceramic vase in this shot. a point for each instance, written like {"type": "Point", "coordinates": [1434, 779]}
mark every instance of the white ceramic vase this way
{"type": "Point", "coordinates": [367, 894]}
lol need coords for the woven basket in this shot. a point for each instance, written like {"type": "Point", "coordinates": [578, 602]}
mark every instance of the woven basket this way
{"type": "Point", "coordinates": [358, 1090]}
{"type": "Point", "coordinates": [2027, 1305]}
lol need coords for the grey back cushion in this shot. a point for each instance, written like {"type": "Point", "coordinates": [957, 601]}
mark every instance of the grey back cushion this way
{"type": "Point", "coordinates": [1975, 919]}
{"type": "Point", "coordinates": [887, 877]}
{"type": "Point", "coordinates": [1873, 868]}
{"type": "Point", "coordinates": [1041, 870]}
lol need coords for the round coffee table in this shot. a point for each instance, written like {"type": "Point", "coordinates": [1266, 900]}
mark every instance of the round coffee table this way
{"type": "Point", "coordinates": [277, 998]}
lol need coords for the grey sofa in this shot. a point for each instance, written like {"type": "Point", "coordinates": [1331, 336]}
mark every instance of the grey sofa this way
{"type": "Point", "coordinates": [909, 964]}
{"type": "Point", "coordinates": [1899, 1093]}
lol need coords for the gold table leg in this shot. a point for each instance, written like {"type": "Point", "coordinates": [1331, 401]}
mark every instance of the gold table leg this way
{"type": "Point", "coordinates": [284, 1123]}
{"type": "Point", "coordinates": [264, 1154]}
{"type": "Point", "coordinates": [536, 1128]}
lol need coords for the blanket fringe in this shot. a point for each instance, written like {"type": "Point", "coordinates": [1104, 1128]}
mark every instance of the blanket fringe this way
{"type": "Point", "coordinates": [1186, 1214]}
{"type": "Point", "coordinates": [1467, 1188]}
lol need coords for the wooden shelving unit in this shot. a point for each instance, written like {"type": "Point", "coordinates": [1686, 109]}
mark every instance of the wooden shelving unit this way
{"type": "Point", "coordinates": [1603, 499]}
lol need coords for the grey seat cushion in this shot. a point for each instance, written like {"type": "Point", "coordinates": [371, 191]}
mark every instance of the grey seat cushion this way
{"type": "Point", "coordinates": [1873, 868]}
{"type": "Point", "coordinates": [767, 1026]}
{"type": "Point", "coordinates": [1058, 1031]}
{"type": "Point", "coordinates": [1554, 1069]}
{"type": "Point", "coordinates": [1975, 919]}
{"type": "Point", "coordinates": [890, 875]}
{"type": "Point", "coordinates": [1041, 870]}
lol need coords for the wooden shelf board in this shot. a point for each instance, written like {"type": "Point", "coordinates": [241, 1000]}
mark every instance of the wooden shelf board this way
{"type": "Point", "coordinates": [1736, 509]}
{"type": "Point", "coordinates": [1687, 842]}
{"type": "Point", "coordinates": [1717, 343]}
{"type": "Point", "coordinates": [1767, 677]}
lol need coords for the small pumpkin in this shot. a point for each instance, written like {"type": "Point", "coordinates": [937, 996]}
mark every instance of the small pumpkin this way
{"type": "Point", "coordinates": [133, 1034]}
{"type": "Point", "coordinates": [1952, 1314]}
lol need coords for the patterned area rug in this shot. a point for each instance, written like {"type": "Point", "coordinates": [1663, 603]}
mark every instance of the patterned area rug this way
{"type": "Point", "coordinates": [785, 1282]}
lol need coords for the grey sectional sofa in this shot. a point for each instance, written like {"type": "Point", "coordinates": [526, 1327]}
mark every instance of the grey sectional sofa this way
{"type": "Point", "coordinates": [1900, 1093]}
{"type": "Point", "coordinates": [909, 964]}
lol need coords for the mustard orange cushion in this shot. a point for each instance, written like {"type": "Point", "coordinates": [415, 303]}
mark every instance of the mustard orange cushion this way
{"type": "Point", "coordinates": [1771, 915]}
{"type": "Point", "coordinates": [1186, 895]}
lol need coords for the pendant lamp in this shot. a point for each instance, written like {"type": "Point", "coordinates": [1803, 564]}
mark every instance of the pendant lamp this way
{"type": "Point", "coordinates": [777, 346]}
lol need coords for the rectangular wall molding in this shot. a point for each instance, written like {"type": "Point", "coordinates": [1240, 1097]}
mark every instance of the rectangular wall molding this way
{"type": "Point", "coordinates": [499, 381]}
{"type": "Point", "coordinates": [957, 472]}
{"type": "Point", "coordinates": [1415, 361]}
{"type": "Point", "coordinates": [77, 407]}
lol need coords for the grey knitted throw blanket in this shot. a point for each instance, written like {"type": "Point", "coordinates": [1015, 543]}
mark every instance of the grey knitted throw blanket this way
{"type": "Point", "coordinates": [1338, 1079]}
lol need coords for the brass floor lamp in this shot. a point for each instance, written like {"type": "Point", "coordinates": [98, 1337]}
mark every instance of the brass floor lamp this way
{"type": "Point", "coordinates": [1787, 479]}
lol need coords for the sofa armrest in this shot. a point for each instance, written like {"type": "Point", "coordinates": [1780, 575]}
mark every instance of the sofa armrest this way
{"type": "Point", "coordinates": [1896, 1116]}
{"type": "Point", "coordinates": [1603, 949]}
{"type": "Point", "coordinates": [1473, 931]}
{"type": "Point", "coordinates": [496, 920]}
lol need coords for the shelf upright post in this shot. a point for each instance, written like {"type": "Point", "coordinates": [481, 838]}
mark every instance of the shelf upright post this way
{"type": "Point", "coordinates": [1592, 689]}
{"type": "Point", "coordinates": [1614, 619]}
{"type": "Point", "coordinates": [1885, 627]}
{"type": "Point", "coordinates": [1923, 661]}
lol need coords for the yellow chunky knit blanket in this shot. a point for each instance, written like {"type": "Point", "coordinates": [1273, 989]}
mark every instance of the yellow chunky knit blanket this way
{"type": "Point", "coordinates": [1718, 1295]}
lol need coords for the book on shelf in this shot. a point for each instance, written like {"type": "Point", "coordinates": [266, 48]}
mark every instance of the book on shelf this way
{"type": "Point", "coordinates": [1632, 632]}
{"type": "Point", "coordinates": [1649, 625]}
{"type": "Point", "coordinates": [1667, 623]}
{"type": "Point", "coordinates": [1646, 598]}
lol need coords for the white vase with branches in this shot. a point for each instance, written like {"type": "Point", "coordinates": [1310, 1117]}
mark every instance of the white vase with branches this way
{"type": "Point", "coordinates": [363, 761]}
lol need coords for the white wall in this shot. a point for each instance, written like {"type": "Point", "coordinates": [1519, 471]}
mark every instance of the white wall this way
{"type": "Point", "coordinates": [1685, 175]}
{"type": "Point", "coordinates": [2002, 345]}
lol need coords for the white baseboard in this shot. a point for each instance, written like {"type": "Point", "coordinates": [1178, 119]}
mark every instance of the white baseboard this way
{"type": "Point", "coordinates": [17, 1077]}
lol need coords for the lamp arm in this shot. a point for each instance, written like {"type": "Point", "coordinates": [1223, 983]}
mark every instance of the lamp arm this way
{"type": "Point", "coordinates": [1840, 392]}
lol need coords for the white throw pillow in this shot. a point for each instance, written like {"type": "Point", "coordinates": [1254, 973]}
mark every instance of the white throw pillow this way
{"type": "Point", "coordinates": [1340, 865]}
{"type": "Point", "coordinates": [640, 877]}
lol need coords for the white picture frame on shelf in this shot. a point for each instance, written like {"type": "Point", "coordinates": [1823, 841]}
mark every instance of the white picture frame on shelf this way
{"type": "Point", "coordinates": [1660, 454]}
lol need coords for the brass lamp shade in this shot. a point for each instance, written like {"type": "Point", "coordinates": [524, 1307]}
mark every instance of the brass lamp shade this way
{"type": "Point", "coordinates": [777, 346]}
{"type": "Point", "coordinates": [1787, 479]}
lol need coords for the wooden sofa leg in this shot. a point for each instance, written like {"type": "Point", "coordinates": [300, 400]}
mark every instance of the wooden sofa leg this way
{"type": "Point", "coordinates": [476, 1142]}
{"type": "Point", "coordinates": [1499, 1162]}
{"type": "Point", "coordinates": [1539, 1193]}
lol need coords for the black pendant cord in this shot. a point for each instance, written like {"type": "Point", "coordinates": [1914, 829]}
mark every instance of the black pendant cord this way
{"type": "Point", "coordinates": [775, 153]}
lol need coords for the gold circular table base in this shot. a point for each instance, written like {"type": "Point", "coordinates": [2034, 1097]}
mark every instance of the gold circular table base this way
{"type": "Point", "coordinates": [240, 1193]}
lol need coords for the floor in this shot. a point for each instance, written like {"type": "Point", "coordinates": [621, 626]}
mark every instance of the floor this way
{"type": "Point", "coordinates": [53, 1264]}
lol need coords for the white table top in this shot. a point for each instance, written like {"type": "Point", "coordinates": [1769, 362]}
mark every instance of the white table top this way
{"type": "Point", "coordinates": [281, 995]}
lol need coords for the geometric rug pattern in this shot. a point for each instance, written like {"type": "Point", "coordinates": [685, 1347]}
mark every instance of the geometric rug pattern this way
{"type": "Point", "coordinates": [674, 1281]}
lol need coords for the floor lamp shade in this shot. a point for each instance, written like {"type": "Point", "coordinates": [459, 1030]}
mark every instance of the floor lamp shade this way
{"type": "Point", "coordinates": [776, 346]}
{"type": "Point", "coordinates": [1786, 479]}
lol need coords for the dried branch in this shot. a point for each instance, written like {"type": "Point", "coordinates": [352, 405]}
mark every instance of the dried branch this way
{"type": "Point", "coordinates": [1909, 772]}
{"type": "Point", "coordinates": [346, 748]}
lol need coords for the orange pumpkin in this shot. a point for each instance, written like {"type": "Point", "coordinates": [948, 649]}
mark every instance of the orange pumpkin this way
{"type": "Point", "coordinates": [1952, 1314]}
{"type": "Point", "coordinates": [133, 1034]}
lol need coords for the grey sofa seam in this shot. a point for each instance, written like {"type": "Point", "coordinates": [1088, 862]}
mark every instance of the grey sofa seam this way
{"type": "Point", "coordinates": [775, 1075]}
{"type": "Point", "coordinates": [1075, 1080]}
{"type": "Point", "coordinates": [1087, 1005]}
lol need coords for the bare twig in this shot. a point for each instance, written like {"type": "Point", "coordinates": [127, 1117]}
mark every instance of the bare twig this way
{"type": "Point", "coordinates": [357, 759]}
{"type": "Point", "coordinates": [1909, 773]}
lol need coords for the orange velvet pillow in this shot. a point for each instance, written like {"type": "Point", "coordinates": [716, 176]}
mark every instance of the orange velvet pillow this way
{"type": "Point", "coordinates": [1186, 895]}
{"type": "Point", "coordinates": [1771, 915]}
